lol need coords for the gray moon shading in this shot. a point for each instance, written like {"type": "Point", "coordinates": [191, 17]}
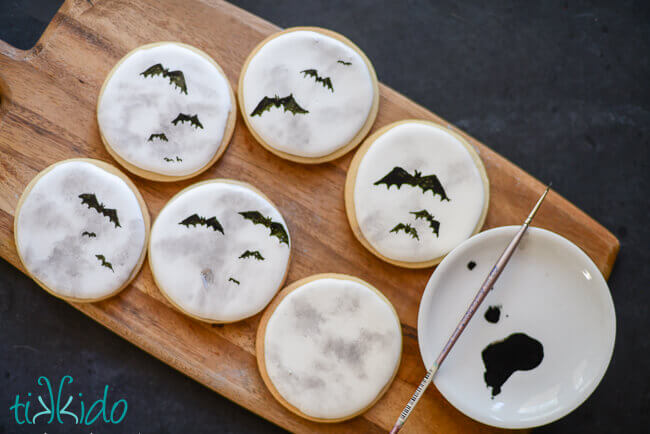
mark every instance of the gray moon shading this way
{"type": "Point", "coordinates": [428, 149]}
{"type": "Point", "coordinates": [200, 268]}
{"type": "Point", "coordinates": [334, 117]}
{"type": "Point", "coordinates": [133, 107]}
{"type": "Point", "coordinates": [52, 219]}
{"type": "Point", "coordinates": [331, 346]}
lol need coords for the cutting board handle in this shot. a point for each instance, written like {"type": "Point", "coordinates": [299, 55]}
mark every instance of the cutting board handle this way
{"type": "Point", "coordinates": [10, 57]}
{"type": "Point", "coordinates": [13, 60]}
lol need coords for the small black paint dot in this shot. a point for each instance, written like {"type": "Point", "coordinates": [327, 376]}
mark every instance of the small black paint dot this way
{"type": "Point", "coordinates": [471, 265]}
{"type": "Point", "coordinates": [492, 314]}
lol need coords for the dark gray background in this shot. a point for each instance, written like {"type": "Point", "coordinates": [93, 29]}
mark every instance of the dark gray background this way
{"type": "Point", "coordinates": [560, 88]}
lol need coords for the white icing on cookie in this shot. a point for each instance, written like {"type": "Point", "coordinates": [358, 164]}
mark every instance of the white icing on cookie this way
{"type": "Point", "coordinates": [430, 150]}
{"type": "Point", "coordinates": [193, 264]}
{"type": "Point", "coordinates": [133, 107]}
{"type": "Point", "coordinates": [335, 115]}
{"type": "Point", "coordinates": [331, 346]}
{"type": "Point", "coordinates": [52, 220]}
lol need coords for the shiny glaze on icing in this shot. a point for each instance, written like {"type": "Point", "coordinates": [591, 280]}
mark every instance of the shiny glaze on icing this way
{"type": "Point", "coordinates": [334, 118]}
{"type": "Point", "coordinates": [429, 150]}
{"type": "Point", "coordinates": [331, 346]}
{"type": "Point", "coordinates": [50, 226]}
{"type": "Point", "coordinates": [132, 107]}
{"type": "Point", "coordinates": [194, 265]}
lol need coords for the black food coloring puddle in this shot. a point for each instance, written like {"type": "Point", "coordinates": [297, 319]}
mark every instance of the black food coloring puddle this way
{"type": "Point", "coordinates": [517, 352]}
{"type": "Point", "coordinates": [492, 314]}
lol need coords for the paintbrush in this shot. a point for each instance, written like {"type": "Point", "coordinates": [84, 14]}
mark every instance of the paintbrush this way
{"type": "Point", "coordinates": [480, 296]}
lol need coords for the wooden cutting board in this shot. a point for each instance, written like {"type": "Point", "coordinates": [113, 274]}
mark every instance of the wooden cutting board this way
{"type": "Point", "coordinates": [48, 114]}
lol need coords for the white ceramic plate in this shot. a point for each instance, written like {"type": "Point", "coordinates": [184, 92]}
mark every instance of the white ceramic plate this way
{"type": "Point", "coordinates": [552, 292]}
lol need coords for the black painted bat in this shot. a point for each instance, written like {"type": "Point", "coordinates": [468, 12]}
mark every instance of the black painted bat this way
{"type": "Point", "coordinates": [326, 82]}
{"type": "Point", "coordinates": [196, 219]}
{"type": "Point", "coordinates": [424, 214]}
{"type": "Point", "coordinates": [255, 254]}
{"type": "Point", "coordinates": [399, 177]}
{"type": "Point", "coordinates": [344, 63]}
{"type": "Point", "coordinates": [160, 136]}
{"type": "Point", "coordinates": [193, 120]}
{"type": "Point", "coordinates": [89, 234]}
{"type": "Point", "coordinates": [175, 77]}
{"type": "Point", "coordinates": [230, 279]}
{"type": "Point", "coordinates": [104, 262]}
{"type": "Point", "coordinates": [277, 230]}
{"type": "Point", "coordinates": [288, 103]}
{"type": "Point", "coordinates": [408, 229]}
{"type": "Point", "coordinates": [91, 200]}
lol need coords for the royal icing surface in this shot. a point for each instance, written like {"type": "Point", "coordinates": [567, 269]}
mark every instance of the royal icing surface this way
{"type": "Point", "coordinates": [80, 231]}
{"type": "Point", "coordinates": [331, 92]}
{"type": "Point", "coordinates": [331, 346]}
{"type": "Point", "coordinates": [215, 262]}
{"type": "Point", "coordinates": [165, 110]}
{"type": "Point", "coordinates": [399, 205]}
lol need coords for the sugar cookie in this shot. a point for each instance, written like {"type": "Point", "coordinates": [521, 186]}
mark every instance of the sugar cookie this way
{"type": "Point", "coordinates": [308, 94]}
{"type": "Point", "coordinates": [81, 229]}
{"type": "Point", "coordinates": [414, 191]}
{"type": "Point", "coordinates": [219, 250]}
{"type": "Point", "coordinates": [329, 346]}
{"type": "Point", "coordinates": [166, 111]}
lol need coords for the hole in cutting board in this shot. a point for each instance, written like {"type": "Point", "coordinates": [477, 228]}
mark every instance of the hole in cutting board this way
{"type": "Point", "coordinates": [22, 22]}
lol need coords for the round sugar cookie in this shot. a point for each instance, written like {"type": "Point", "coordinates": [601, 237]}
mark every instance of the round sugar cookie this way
{"type": "Point", "coordinates": [81, 229]}
{"type": "Point", "coordinates": [414, 191]}
{"type": "Point", "coordinates": [329, 346]}
{"type": "Point", "coordinates": [166, 111]}
{"type": "Point", "coordinates": [308, 94]}
{"type": "Point", "coordinates": [219, 251]}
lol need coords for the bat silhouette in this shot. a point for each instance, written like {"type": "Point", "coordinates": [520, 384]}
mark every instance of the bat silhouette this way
{"type": "Point", "coordinates": [91, 200]}
{"type": "Point", "coordinates": [255, 254]}
{"type": "Point", "coordinates": [399, 177]}
{"type": "Point", "coordinates": [160, 136]}
{"type": "Point", "coordinates": [171, 159]}
{"type": "Point", "coordinates": [344, 63]}
{"type": "Point", "coordinates": [175, 77]}
{"type": "Point", "coordinates": [196, 219]}
{"type": "Point", "coordinates": [326, 82]}
{"type": "Point", "coordinates": [89, 234]}
{"type": "Point", "coordinates": [193, 120]}
{"type": "Point", "coordinates": [408, 229]}
{"type": "Point", "coordinates": [424, 214]}
{"type": "Point", "coordinates": [288, 103]}
{"type": "Point", "coordinates": [230, 279]}
{"type": "Point", "coordinates": [277, 230]}
{"type": "Point", "coordinates": [104, 262]}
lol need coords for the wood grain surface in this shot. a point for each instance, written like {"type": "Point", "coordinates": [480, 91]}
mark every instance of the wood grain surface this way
{"type": "Point", "coordinates": [47, 114]}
